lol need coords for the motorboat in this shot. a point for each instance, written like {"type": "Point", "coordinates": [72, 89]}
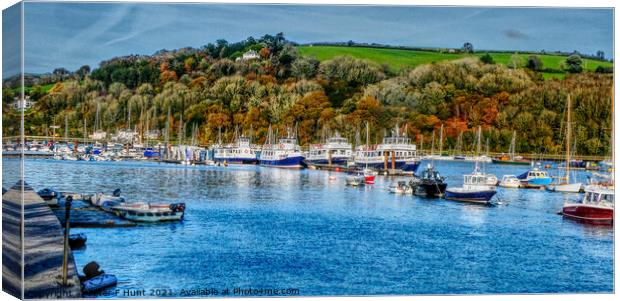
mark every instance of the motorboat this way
{"type": "Point", "coordinates": [535, 178]}
{"type": "Point", "coordinates": [474, 190]}
{"type": "Point", "coordinates": [510, 181]}
{"type": "Point", "coordinates": [429, 184]}
{"type": "Point", "coordinates": [401, 187]}
{"type": "Point", "coordinates": [355, 179]}
{"type": "Point", "coordinates": [150, 212]}
{"type": "Point", "coordinates": [596, 206]}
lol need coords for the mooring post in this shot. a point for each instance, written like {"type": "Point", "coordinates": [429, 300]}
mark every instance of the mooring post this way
{"type": "Point", "coordinates": [65, 258]}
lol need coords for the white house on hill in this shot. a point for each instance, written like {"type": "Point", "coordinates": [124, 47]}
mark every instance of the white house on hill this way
{"type": "Point", "coordinates": [250, 55]}
{"type": "Point", "coordinates": [25, 103]}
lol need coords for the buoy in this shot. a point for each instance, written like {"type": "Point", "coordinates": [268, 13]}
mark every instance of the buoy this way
{"type": "Point", "coordinates": [338, 169]}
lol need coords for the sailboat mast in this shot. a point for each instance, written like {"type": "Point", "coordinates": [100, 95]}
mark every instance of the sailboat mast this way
{"type": "Point", "coordinates": [441, 140]}
{"type": "Point", "coordinates": [568, 138]}
{"type": "Point", "coordinates": [478, 147]}
{"type": "Point", "coordinates": [433, 144]}
{"type": "Point", "coordinates": [367, 141]}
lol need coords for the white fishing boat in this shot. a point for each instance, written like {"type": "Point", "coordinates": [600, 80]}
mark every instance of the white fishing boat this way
{"type": "Point", "coordinates": [239, 152]}
{"type": "Point", "coordinates": [285, 154]}
{"type": "Point", "coordinates": [563, 183]}
{"type": "Point", "coordinates": [336, 151]}
{"type": "Point", "coordinates": [150, 212]}
{"type": "Point", "coordinates": [395, 152]}
{"type": "Point", "coordinates": [510, 181]}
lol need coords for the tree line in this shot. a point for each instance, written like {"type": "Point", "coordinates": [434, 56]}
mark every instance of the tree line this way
{"type": "Point", "coordinates": [211, 90]}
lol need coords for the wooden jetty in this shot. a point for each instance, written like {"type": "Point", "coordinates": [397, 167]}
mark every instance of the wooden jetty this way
{"type": "Point", "coordinates": [35, 234]}
{"type": "Point", "coordinates": [337, 168]}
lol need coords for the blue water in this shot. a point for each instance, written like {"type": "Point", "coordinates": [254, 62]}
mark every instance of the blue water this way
{"type": "Point", "coordinates": [258, 227]}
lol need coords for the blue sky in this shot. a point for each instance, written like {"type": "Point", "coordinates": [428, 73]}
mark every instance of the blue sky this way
{"type": "Point", "coordinates": [73, 34]}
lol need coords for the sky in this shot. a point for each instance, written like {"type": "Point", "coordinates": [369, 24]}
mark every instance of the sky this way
{"type": "Point", "coordinates": [70, 35]}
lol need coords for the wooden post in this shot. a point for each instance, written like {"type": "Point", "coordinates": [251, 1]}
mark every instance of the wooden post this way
{"type": "Point", "coordinates": [329, 157]}
{"type": "Point", "coordinates": [65, 258]}
{"type": "Point", "coordinates": [385, 160]}
{"type": "Point", "coordinates": [393, 160]}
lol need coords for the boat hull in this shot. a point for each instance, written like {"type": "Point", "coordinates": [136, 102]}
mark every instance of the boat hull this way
{"type": "Point", "coordinates": [590, 214]}
{"type": "Point", "coordinates": [430, 190]}
{"type": "Point", "coordinates": [98, 283]}
{"type": "Point", "coordinates": [233, 160]}
{"type": "Point", "coordinates": [521, 162]}
{"type": "Point", "coordinates": [477, 196]}
{"type": "Point", "coordinates": [574, 187]}
{"type": "Point", "coordinates": [325, 162]}
{"type": "Point", "coordinates": [402, 165]}
{"type": "Point", "coordinates": [147, 217]}
{"type": "Point", "coordinates": [538, 182]}
{"type": "Point", "coordinates": [355, 180]}
{"type": "Point", "coordinates": [289, 162]}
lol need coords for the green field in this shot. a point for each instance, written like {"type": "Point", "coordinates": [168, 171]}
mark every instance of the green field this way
{"type": "Point", "coordinates": [398, 59]}
{"type": "Point", "coordinates": [28, 89]}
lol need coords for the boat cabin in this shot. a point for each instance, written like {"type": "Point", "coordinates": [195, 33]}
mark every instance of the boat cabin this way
{"type": "Point", "coordinates": [601, 197]}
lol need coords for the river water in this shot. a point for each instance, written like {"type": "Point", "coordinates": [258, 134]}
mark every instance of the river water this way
{"type": "Point", "coordinates": [257, 227]}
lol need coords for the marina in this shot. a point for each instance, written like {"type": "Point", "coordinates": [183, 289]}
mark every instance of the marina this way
{"type": "Point", "coordinates": [233, 212]}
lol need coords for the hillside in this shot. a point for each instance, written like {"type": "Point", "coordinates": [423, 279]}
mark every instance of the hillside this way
{"type": "Point", "coordinates": [398, 59]}
{"type": "Point", "coordinates": [203, 93]}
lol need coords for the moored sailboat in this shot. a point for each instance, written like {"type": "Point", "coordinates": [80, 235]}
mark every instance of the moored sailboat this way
{"type": "Point", "coordinates": [511, 158]}
{"type": "Point", "coordinates": [564, 184]}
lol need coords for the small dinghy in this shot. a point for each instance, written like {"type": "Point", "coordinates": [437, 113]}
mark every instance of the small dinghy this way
{"type": "Point", "coordinates": [510, 181]}
{"type": "Point", "coordinates": [98, 283]}
{"type": "Point", "coordinates": [48, 193]}
{"type": "Point", "coordinates": [50, 196]}
{"type": "Point", "coordinates": [401, 188]}
{"type": "Point", "coordinates": [369, 176]}
{"type": "Point", "coordinates": [357, 179]}
{"type": "Point", "coordinates": [77, 241]}
{"type": "Point", "coordinates": [106, 202]}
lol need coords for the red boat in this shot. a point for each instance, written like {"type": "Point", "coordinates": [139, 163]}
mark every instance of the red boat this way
{"type": "Point", "coordinates": [369, 176]}
{"type": "Point", "coordinates": [596, 207]}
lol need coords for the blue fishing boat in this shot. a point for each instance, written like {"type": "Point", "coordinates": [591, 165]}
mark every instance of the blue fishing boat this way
{"type": "Point", "coordinates": [535, 178]}
{"type": "Point", "coordinates": [478, 187]}
{"type": "Point", "coordinates": [285, 154]}
{"type": "Point", "coordinates": [475, 189]}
